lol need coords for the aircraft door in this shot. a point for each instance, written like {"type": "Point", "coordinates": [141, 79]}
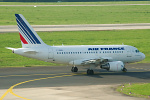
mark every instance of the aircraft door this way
{"type": "Point", "coordinates": [129, 52]}
{"type": "Point", "coordinates": [50, 53]}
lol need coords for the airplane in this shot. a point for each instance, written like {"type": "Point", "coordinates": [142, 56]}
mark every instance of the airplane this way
{"type": "Point", "coordinates": [109, 57]}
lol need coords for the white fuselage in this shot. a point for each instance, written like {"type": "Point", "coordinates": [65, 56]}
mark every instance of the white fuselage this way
{"type": "Point", "coordinates": [67, 54]}
{"type": "Point", "coordinates": [109, 57]}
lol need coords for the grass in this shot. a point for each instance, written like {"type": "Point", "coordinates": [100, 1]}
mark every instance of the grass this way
{"type": "Point", "coordinates": [136, 89]}
{"type": "Point", "coordinates": [137, 38]}
{"type": "Point", "coordinates": [76, 15]}
{"type": "Point", "coordinates": [74, 3]}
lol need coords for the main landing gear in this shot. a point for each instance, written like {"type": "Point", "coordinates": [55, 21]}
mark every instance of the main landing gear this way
{"type": "Point", "coordinates": [74, 69]}
{"type": "Point", "coordinates": [90, 72]}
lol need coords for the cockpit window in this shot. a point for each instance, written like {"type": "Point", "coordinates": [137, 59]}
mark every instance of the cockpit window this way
{"type": "Point", "coordinates": [137, 51]}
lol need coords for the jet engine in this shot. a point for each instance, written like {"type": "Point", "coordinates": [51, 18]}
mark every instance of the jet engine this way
{"type": "Point", "coordinates": [114, 66]}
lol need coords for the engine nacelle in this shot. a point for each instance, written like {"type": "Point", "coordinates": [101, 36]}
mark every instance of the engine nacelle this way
{"type": "Point", "coordinates": [113, 66]}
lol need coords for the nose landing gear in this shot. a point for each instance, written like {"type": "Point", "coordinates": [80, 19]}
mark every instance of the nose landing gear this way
{"type": "Point", "coordinates": [74, 69]}
{"type": "Point", "coordinates": [124, 70]}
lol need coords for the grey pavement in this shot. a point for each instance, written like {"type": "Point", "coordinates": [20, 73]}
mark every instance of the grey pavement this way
{"type": "Point", "coordinates": [84, 27]}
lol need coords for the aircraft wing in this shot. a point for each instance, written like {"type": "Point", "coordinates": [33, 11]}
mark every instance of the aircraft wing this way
{"type": "Point", "coordinates": [96, 61]}
{"type": "Point", "coordinates": [91, 61]}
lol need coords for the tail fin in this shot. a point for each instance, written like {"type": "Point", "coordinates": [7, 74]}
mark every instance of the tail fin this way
{"type": "Point", "coordinates": [29, 38]}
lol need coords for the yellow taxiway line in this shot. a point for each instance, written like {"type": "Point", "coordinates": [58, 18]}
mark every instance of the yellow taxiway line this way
{"type": "Point", "coordinates": [10, 90]}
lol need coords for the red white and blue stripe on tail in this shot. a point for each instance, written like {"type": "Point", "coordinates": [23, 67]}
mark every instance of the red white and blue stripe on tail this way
{"type": "Point", "coordinates": [27, 34]}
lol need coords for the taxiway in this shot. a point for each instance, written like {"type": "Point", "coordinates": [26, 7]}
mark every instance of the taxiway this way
{"type": "Point", "coordinates": [59, 83]}
{"type": "Point", "coordinates": [86, 27]}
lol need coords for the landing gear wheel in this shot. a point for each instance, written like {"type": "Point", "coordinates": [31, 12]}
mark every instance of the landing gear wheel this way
{"type": "Point", "coordinates": [90, 72]}
{"type": "Point", "coordinates": [124, 70]}
{"type": "Point", "coordinates": [74, 69]}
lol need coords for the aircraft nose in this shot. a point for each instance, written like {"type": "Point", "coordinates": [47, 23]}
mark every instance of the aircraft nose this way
{"type": "Point", "coordinates": [143, 56]}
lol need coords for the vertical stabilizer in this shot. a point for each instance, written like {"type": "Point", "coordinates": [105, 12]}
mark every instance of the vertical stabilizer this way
{"type": "Point", "coordinates": [29, 38]}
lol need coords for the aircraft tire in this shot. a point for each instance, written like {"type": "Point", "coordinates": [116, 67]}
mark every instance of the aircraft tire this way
{"type": "Point", "coordinates": [124, 70]}
{"type": "Point", "coordinates": [74, 69]}
{"type": "Point", "coordinates": [90, 72]}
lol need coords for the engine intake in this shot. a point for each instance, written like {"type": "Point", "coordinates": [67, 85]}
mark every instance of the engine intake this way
{"type": "Point", "coordinates": [113, 66]}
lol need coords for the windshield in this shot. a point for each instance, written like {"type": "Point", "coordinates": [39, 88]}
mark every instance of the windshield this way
{"type": "Point", "coordinates": [137, 51]}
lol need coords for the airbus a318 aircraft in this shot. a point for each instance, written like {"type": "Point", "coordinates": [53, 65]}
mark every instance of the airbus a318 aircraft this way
{"type": "Point", "coordinates": [109, 57]}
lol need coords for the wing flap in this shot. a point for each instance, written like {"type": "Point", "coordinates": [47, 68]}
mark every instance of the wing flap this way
{"type": "Point", "coordinates": [91, 61]}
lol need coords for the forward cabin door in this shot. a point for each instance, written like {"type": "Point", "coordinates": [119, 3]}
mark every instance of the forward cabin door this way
{"type": "Point", "coordinates": [129, 53]}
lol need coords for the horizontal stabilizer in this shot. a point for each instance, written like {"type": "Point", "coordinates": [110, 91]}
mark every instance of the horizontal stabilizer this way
{"type": "Point", "coordinates": [10, 48]}
{"type": "Point", "coordinates": [31, 52]}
